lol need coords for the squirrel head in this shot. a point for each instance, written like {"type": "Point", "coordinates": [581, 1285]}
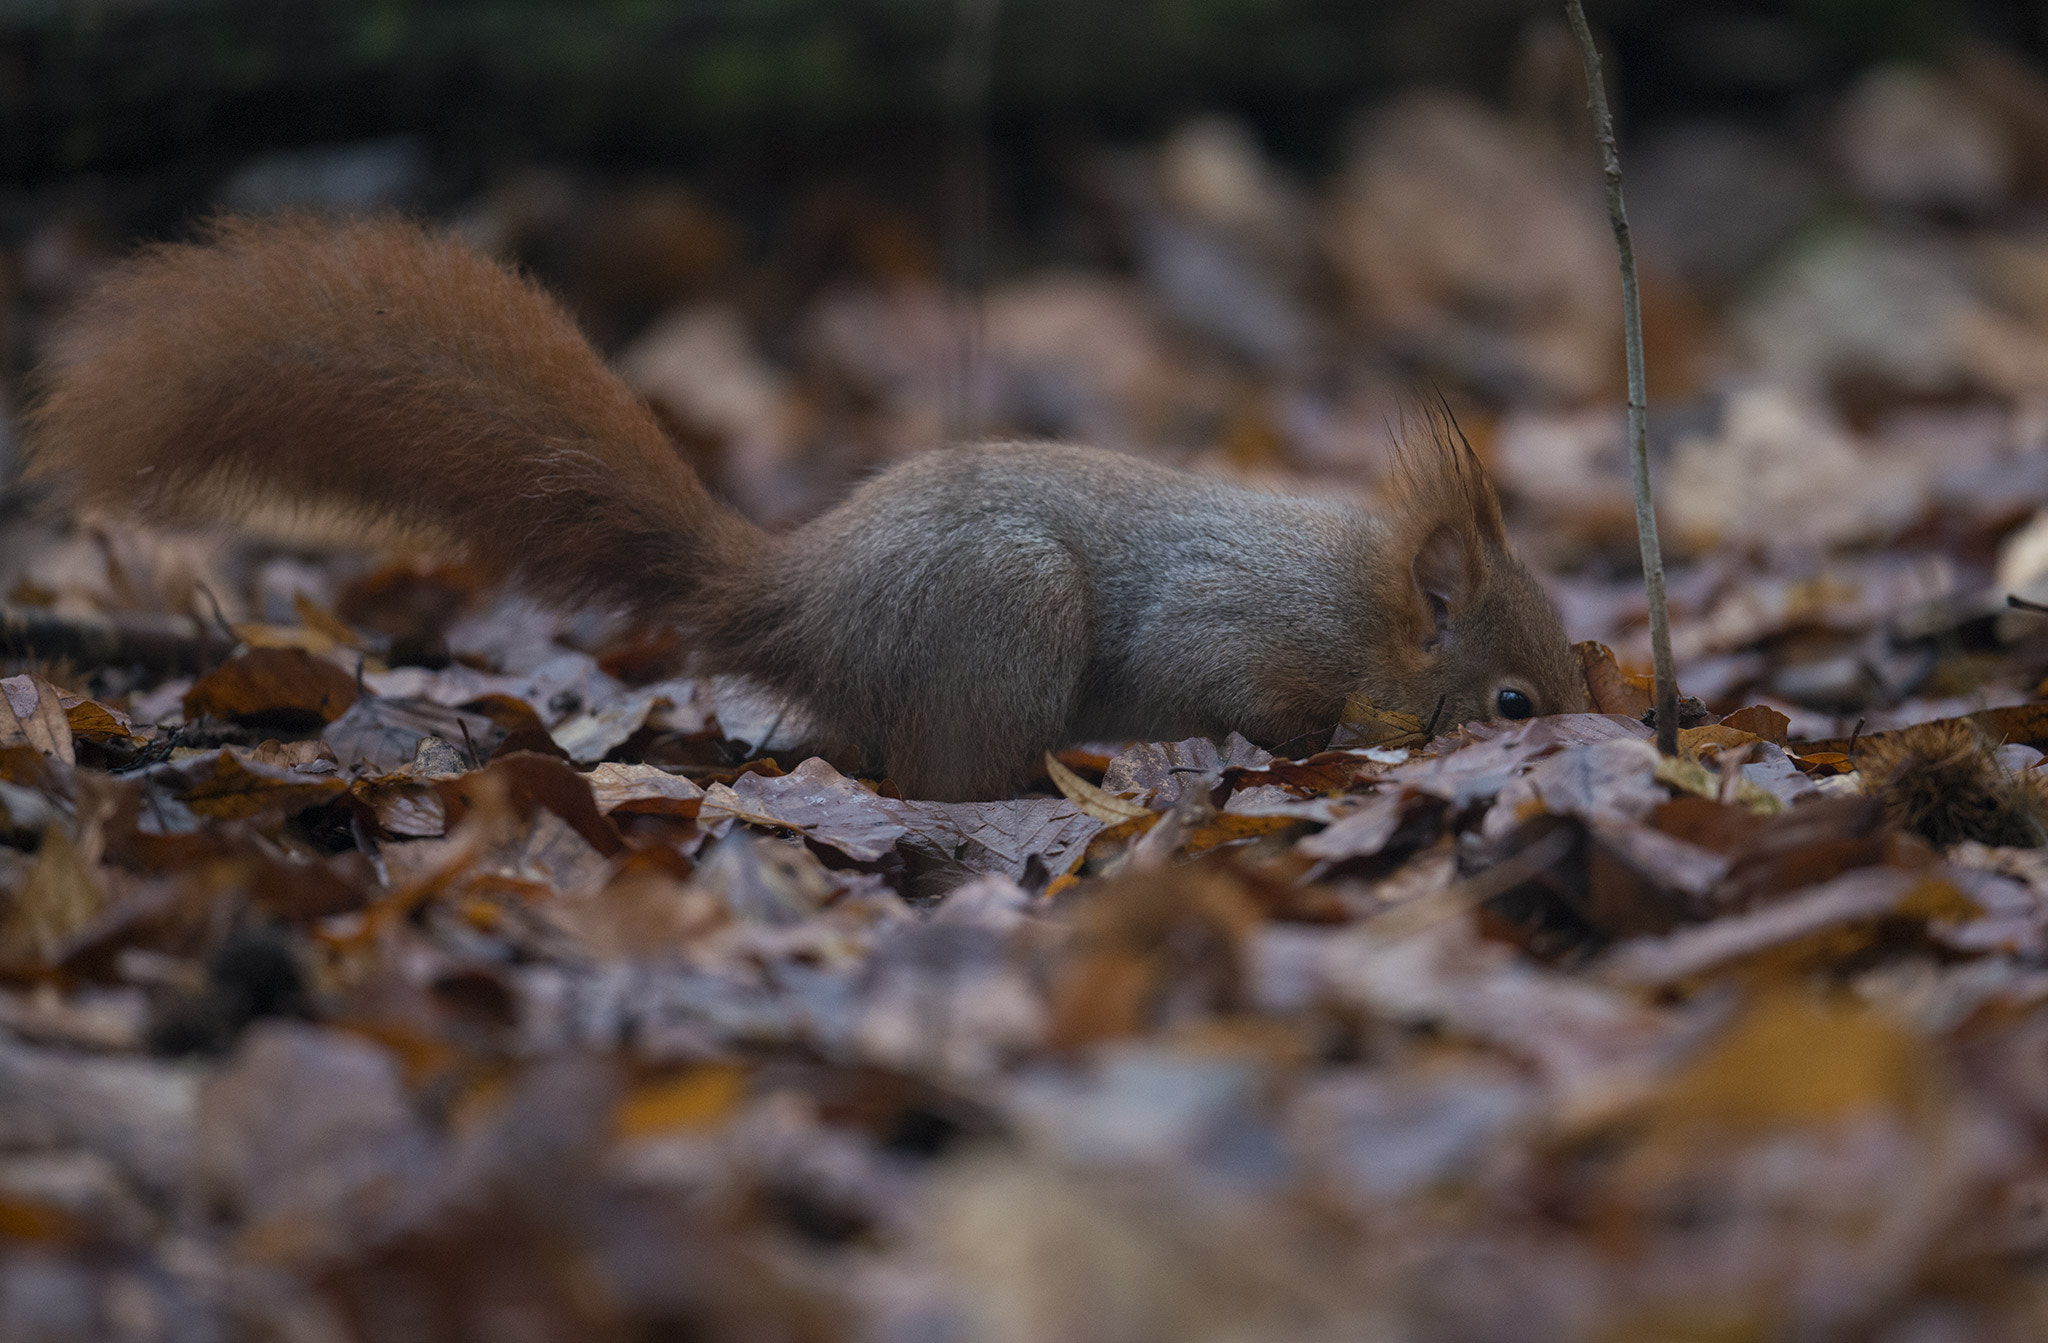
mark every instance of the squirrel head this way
{"type": "Point", "coordinates": [1476, 633]}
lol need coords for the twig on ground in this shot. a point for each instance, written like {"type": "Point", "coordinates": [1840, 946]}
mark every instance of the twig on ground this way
{"type": "Point", "coordinates": [163, 644]}
{"type": "Point", "coordinates": [1638, 396]}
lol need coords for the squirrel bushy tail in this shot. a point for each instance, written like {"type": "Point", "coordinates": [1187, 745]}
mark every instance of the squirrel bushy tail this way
{"type": "Point", "coordinates": [946, 623]}
{"type": "Point", "coordinates": [390, 371]}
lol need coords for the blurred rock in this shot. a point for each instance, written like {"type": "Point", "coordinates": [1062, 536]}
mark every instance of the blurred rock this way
{"type": "Point", "coordinates": [1909, 138]}
{"type": "Point", "coordinates": [1463, 246]}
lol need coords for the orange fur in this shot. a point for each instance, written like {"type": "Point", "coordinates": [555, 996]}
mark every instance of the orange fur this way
{"type": "Point", "coordinates": [388, 371]}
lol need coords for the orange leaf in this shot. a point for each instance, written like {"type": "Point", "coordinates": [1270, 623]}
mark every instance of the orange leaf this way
{"type": "Point", "coordinates": [696, 1100]}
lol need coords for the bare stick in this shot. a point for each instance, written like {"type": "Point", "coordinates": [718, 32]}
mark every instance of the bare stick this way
{"type": "Point", "coordinates": [1638, 396]}
{"type": "Point", "coordinates": [159, 643]}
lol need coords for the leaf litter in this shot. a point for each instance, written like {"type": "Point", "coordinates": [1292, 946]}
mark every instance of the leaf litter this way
{"type": "Point", "coordinates": [437, 966]}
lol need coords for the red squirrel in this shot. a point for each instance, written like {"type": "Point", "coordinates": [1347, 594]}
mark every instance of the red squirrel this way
{"type": "Point", "coordinates": [953, 618]}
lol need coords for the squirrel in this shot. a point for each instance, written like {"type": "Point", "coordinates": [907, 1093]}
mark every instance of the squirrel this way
{"type": "Point", "coordinates": [956, 616]}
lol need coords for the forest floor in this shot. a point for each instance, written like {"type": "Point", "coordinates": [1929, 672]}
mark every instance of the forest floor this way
{"type": "Point", "coordinates": [422, 964]}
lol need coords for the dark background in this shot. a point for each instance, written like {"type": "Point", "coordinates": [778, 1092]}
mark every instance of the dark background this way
{"type": "Point", "coordinates": [752, 92]}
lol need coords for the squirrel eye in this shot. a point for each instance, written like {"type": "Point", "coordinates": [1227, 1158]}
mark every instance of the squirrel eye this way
{"type": "Point", "coordinates": [1514, 704]}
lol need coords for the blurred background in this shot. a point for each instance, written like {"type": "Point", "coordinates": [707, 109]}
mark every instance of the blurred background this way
{"type": "Point", "coordinates": [312, 1031]}
{"type": "Point", "coordinates": [1244, 235]}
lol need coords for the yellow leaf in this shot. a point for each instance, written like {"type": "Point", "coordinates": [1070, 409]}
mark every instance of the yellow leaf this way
{"type": "Point", "coordinates": [314, 616]}
{"type": "Point", "coordinates": [1793, 1059]}
{"type": "Point", "coordinates": [90, 718]}
{"type": "Point", "coordinates": [1105, 807]}
{"type": "Point", "coordinates": [1693, 741]}
{"type": "Point", "coordinates": [60, 896]}
{"type": "Point", "coordinates": [30, 713]}
{"type": "Point", "coordinates": [698, 1099]}
{"type": "Point", "coordinates": [1365, 724]}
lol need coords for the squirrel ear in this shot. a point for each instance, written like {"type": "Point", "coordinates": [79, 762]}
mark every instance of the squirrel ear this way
{"type": "Point", "coordinates": [1442, 573]}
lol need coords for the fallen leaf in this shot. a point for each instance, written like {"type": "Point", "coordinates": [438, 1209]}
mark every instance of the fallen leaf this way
{"type": "Point", "coordinates": [283, 687]}
{"type": "Point", "coordinates": [2018, 724]}
{"type": "Point", "coordinates": [1762, 720]}
{"type": "Point", "coordinates": [230, 786]}
{"type": "Point", "coordinates": [643, 789]}
{"type": "Point", "coordinates": [1008, 838]}
{"type": "Point", "coordinates": [1792, 1058]}
{"type": "Point", "coordinates": [699, 1099]}
{"type": "Point", "coordinates": [1794, 927]}
{"type": "Point", "coordinates": [532, 782]}
{"type": "Point", "coordinates": [35, 717]}
{"type": "Point", "coordinates": [95, 721]}
{"type": "Point", "coordinates": [1365, 724]}
{"type": "Point", "coordinates": [61, 895]}
{"type": "Point", "coordinates": [1104, 806]}
{"type": "Point", "coordinates": [1611, 690]}
{"type": "Point", "coordinates": [1709, 741]}
{"type": "Point", "coordinates": [817, 802]}
{"type": "Point", "coordinates": [382, 734]}
{"type": "Point", "coordinates": [1158, 773]}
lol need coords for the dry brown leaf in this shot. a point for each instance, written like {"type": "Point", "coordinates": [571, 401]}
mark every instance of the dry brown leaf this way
{"type": "Point", "coordinates": [1794, 1059]}
{"type": "Point", "coordinates": [1360, 834]}
{"type": "Point", "coordinates": [1103, 806]}
{"type": "Point", "coordinates": [1762, 720]}
{"type": "Point", "coordinates": [1159, 774]}
{"type": "Point", "coordinates": [1612, 690]}
{"type": "Point", "coordinates": [643, 789]}
{"type": "Point", "coordinates": [532, 782]}
{"type": "Point", "coordinates": [34, 716]}
{"type": "Point", "coordinates": [1705, 743]}
{"type": "Point", "coordinates": [285, 687]}
{"type": "Point", "coordinates": [382, 734]}
{"type": "Point", "coordinates": [1223, 828]}
{"type": "Point", "coordinates": [1151, 947]}
{"type": "Point", "coordinates": [404, 807]}
{"type": "Point", "coordinates": [701, 1098]}
{"type": "Point", "coordinates": [60, 896]}
{"type": "Point", "coordinates": [2018, 724]}
{"type": "Point", "coordinates": [1010, 838]}
{"type": "Point", "coordinates": [96, 721]}
{"type": "Point", "coordinates": [816, 801]}
{"type": "Point", "coordinates": [318, 618]}
{"type": "Point", "coordinates": [232, 786]}
{"type": "Point", "coordinates": [1364, 724]}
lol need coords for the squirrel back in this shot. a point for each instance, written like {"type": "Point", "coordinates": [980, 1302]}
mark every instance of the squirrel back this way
{"type": "Point", "coordinates": [956, 616]}
{"type": "Point", "coordinates": [385, 371]}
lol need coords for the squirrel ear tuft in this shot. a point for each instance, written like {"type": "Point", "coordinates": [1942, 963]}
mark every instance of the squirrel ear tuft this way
{"type": "Point", "coordinates": [1442, 571]}
{"type": "Point", "coordinates": [1437, 480]}
{"type": "Point", "coordinates": [1444, 506]}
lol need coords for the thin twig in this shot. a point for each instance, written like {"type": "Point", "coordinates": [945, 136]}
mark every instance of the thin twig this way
{"type": "Point", "coordinates": [1638, 395]}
